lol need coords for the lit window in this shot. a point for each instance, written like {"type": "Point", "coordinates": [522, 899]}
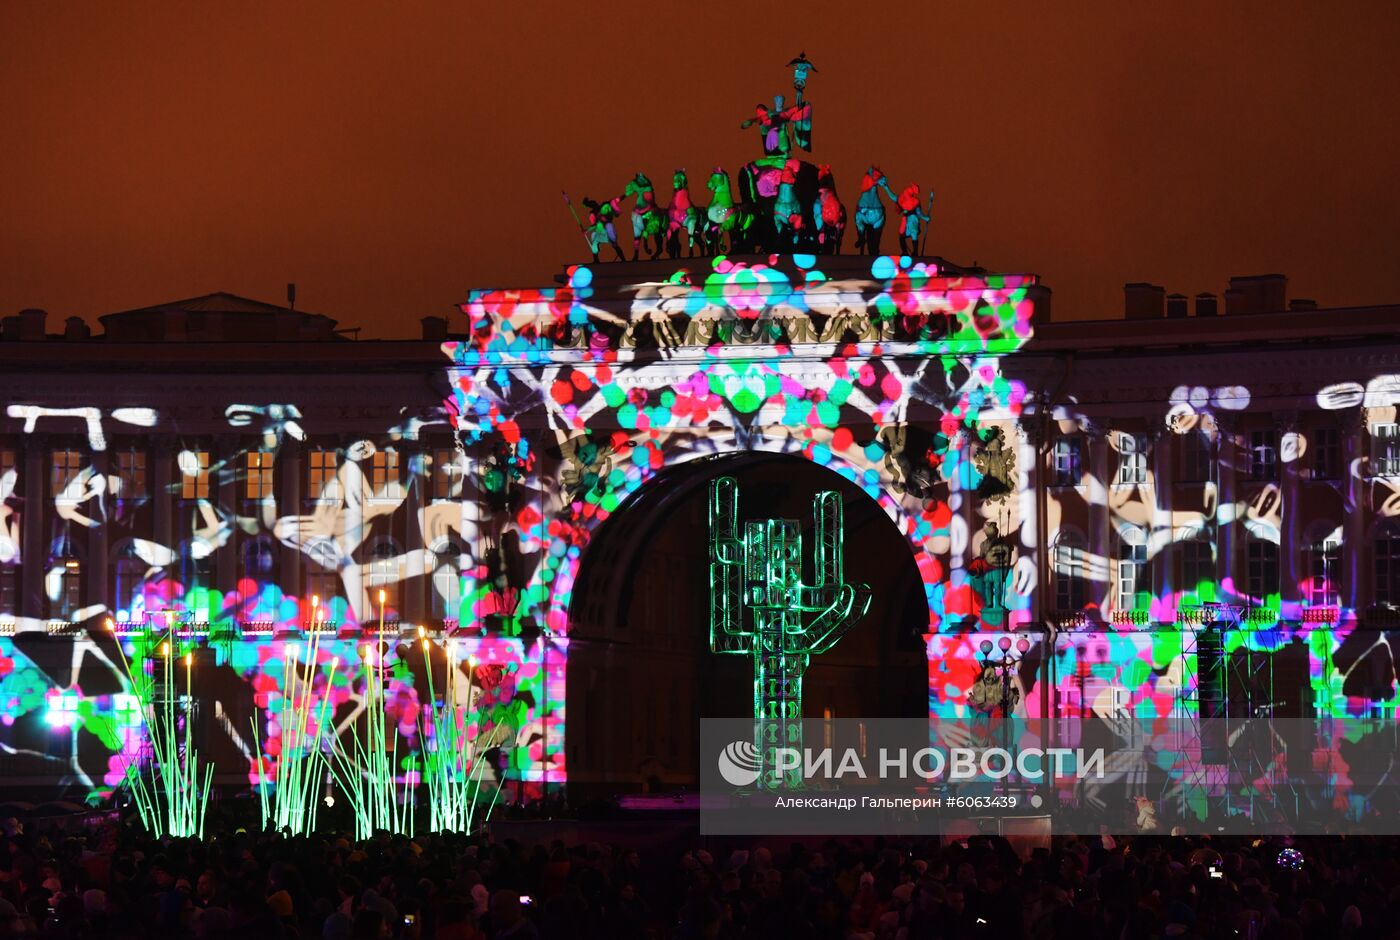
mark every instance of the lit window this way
{"type": "Point", "coordinates": [194, 474]}
{"type": "Point", "coordinates": [1132, 560]}
{"type": "Point", "coordinates": [1067, 459]}
{"type": "Point", "coordinates": [447, 581]}
{"type": "Point", "coordinates": [8, 461]}
{"type": "Point", "coordinates": [1132, 451]}
{"type": "Point", "coordinates": [1388, 568]}
{"type": "Point", "coordinates": [259, 478]}
{"type": "Point", "coordinates": [1263, 455]}
{"type": "Point", "coordinates": [322, 483]}
{"type": "Point", "coordinates": [1324, 559]}
{"type": "Point", "coordinates": [1327, 454]}
{"type": "Point", "coordinates": [131, 470]}
{"type": "Point", "coordinates": [1069, 571]}
{"type": "Point", "coordinates": [1262, 581]}
{"type": "Point", "coordinates": [67, 464]}
{"type": "Point", "coordinates": [384, 576]}
{"type": "Point", "coordinates": [384, 473]}
{"type": "Point", "coordinates": [446, 473]}
{"type": "Point", "coordinates": [1385, 450]}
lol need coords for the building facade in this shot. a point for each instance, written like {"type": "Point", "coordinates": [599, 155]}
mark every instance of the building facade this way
{"type": "Point", "coordinates": [1120, 492]}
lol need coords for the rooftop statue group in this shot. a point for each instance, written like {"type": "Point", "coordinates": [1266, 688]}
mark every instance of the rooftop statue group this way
{"type": "Point", "coordinates": [783, 204]}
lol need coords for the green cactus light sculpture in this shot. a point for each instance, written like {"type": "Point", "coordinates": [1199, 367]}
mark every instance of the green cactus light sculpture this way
{"type": "Point", "coordinates": [760, 574]}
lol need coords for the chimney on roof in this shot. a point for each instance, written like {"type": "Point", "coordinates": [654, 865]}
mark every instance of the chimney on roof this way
{"type": "Point", "coordinates": [1176, 306]}
{"type": "Point", "coordinates": [1143, 301]}
{"type": "Point", "coordinates": [31, 325]}
{"type": "Point", "coordinates": [75, 329]}
{"type": "Point", "coordinates": [1207, 305]}
{"type": "Point", "coordinates": [1302, 303]}
{"type": "Point", "coordinates": [434, 329]}
{"type": "Point", "coordinates": [1256, 293]}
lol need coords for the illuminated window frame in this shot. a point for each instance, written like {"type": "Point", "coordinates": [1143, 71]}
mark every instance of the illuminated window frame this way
{"type": "Point", "coordinates": [1322, 563]}
{"type": "Point", "coordinates": [385, 474]}
{"type": "Point", "coordinates": [196, 485]}
{"type": "Point", "coordinates": [259, 479]}
{"type": "Point", "coordinates": [1067, 461]}
{"type": "Point", "coordinates": [1132, 564]}
{"type": "Point", "coordinates": [446, 473]}
{"type": "Point", "coordinates": [1263, 454]}
{"type": "Point", "coordinates": [64, 467]}
{"type": "Point", "coordinates": [1071, 570]}
{"type": "Point", "coordinates": [1385, 450]}
{"type": "Point", "coordinates": [133, 466]}
{"type": "Point", "coordinates": [322, 479]}
{"type": "Point", "coordinates": [1132, 454]}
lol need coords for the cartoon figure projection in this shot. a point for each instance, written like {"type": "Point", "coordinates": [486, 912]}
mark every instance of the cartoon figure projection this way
{"type": "Point", "coordinates": [760, 607]}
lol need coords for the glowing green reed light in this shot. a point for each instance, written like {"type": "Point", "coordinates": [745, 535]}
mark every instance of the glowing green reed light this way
{"type": "Point", "coordinates": [454, 762]}
{"type": "Point", "coordinates": [175, 800]}
{"type": "Point", "coordinates": [301, 763]}
{"type": "Point", "coordinates": [367, 771]}
{"type": "Point", "coordinates": [760, 574]}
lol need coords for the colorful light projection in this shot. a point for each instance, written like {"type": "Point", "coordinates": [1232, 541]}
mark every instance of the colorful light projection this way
{"type": "Point", "coordinates": [759, 572]}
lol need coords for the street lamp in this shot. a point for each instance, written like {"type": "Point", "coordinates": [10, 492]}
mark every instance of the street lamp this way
{"type": "Point", "coordinates": [1003, 666]}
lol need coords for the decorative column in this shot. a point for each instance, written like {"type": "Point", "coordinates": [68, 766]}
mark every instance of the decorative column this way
{"type": "Point", "coordinates": [1290, 531]}
{"type": "Point", "coordinates": [288, 477]}
{"type": "Point", "coordinates": [34, 484]}
{"type": "Point", "coordinates": [1100, 538]}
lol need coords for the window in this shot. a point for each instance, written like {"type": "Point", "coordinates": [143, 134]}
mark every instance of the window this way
{"type": "Point", "coordinates": [67, 464]}
{"type": "Point", "coordinates": [1262, 581]}
{"type": "Point", "coordinates": [446, 473]}
{"type": "Point", "coordinates": [322, 483]}
{"type": "Point", "coordinates": [384, 473]}
{"type": "Point", "coordinates": [197, 572]}
{"type": "Point", "coordinates": [1327, 454]}
{"type": "Point", "coordinates": [9, 590]}
{"type": "Point", "coordinates": [128, 574]}
{"type": "Point", "coordinates": [1323, 561]}
{"type": "Point", "coordinates": [259, 561]}
{"type": "Point", "coordinates": [1132, 450]}
{"type": "Point", "coordinates": [131, 470]}
{"type": "Point", "coordinates": [1132, 559]}
{"type": "Point", "coordinates": [259, 478]}
{"type": "Point", "coordinates": [1069, 571]}
{"type": "Point", "coordinates": [64, 581]}
{"type": "Point", "coordinates": [447, 581]}
{"type": "Point", "coordinates": [1196, 463]}
{"type": "Point", "coordinates": [1388, 568]}
{"type": "Point", "coordinates": [384, 576]}
{"type": "Point", "coordinates": [8, 461]}
{"type": "Point", "coordinates": [1263, 455]}
{"type": "Point", "coordinates": [1066, 460]}
{"type": "Point", "coordinates": [194, 474]}
{"type": "Point", "coordinates": [322, 585]}
{"type": "Point", "coordinates": [1198, 567]}
{"type": "Point", "coordinates": [1385, 450]}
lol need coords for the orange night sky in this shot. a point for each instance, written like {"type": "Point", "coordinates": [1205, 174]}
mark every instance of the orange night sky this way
{"type": "Point", "coordinates": [387, 157]}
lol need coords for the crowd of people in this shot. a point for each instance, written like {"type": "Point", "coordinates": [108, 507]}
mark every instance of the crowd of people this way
{"type": "Point", "coordinates": [108, 879]}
